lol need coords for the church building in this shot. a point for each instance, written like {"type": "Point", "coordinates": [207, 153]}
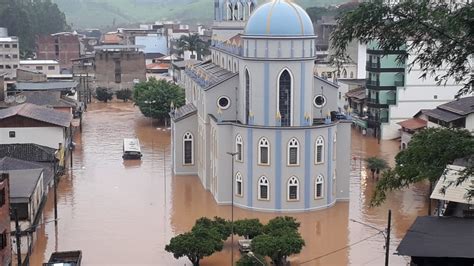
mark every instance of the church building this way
{"type": "Point", "coordinates": [257, 120]}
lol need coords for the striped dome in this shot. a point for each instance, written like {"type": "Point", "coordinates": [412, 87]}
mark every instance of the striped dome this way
{"type": "Point", "coordinates": [279, 18]}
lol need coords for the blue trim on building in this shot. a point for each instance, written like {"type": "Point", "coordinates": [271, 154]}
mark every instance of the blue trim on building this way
{"type": "Point", "coordinates": [329, 164]}
{"type": "Point", "coordinates": [307, 168]}
{"type": "Point", "coordinates": [302, 94]}
{"type": "Point", "coordinates": [278, 168]}
{"type": "Point", "coordinates": [266, 94]}
{"type": "Point", "coordinates": [250, 167]}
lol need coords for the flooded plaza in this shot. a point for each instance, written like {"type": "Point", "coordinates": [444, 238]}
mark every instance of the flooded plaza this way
{"type": "Point", "coordinates": [124, 213]}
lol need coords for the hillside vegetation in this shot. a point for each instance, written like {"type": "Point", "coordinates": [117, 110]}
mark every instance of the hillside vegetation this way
{"type": "Point", "coordinates": [112, 13]}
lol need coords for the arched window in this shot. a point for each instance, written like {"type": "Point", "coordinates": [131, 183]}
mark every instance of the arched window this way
{"type": "Point", "coordinates": [230, 66]}
{"type": "Point", "coordinates": [241, 10]}
{"type": "Point", "coordinates": [318, 187]}
{"type": "Point", "coordinates": [334, 153]}
{"type": "Point", "coordinates": [223, 62]}
{"type": "Point", "coordinates": [230, 11]}
{"type": "Point", "coordinates": [284, 98]}
{"type": "Point", "coordinates": [264, 151]}
{"type": "Point", "coordinates": [239, 148]}
{"type": "Point", "coordinates": [236, 12]}
{"type": "Point", "coordinates": [252, 7]}
{"type": "Point", "coordinates": [188, 147]}
{"type": "Point", "coordinates": [344, 73]}
{"type": "Point", "coordinates": [352, 74]}
{"type": "Point", "coordinates": [319, 151]}
{"type": "Point", "coordinates": [263, 188]}
{"type": "Point", "coordinates": [239, 189]}
{"type": "Point", "coordinates": [235, 67]}
{"type": "Point", "coordinates": [334, 186]}
{"type": "Point", "coordinates": [293, 188]}
{"type": "Point", "coordinates": [247, 94]}
{"type": "Point", "coordinates": [293, 152]}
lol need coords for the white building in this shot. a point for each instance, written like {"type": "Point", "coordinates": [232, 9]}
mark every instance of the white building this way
{"type": "Point", "coordinates": [258, 97]}
{"type": "Point", "coordinates": [9, 54]}
{"type": "Point", "coordinates": [48, 67]}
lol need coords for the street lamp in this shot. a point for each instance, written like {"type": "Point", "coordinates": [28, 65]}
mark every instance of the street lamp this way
{"type": "Point", "coordinates": [250, 253]}
{"type": "Point", "coordinates": [232, 209]}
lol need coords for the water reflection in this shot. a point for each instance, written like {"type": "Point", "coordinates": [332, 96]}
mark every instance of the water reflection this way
{"type": "Point", "coordinates": [125, 212]}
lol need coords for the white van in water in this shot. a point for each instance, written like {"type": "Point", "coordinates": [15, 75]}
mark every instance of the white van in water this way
{"type": "Point", "coordinates": [131, 149]}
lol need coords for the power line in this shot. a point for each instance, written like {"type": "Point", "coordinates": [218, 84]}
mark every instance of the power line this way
{"type": "Point", "coordinates": [337, 250]}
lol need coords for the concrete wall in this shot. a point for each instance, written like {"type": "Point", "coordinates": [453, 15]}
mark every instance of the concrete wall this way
{"type": "Point", "coordinates": [330, 93]}
{"type": "Point", "coordinates": [179, 128]}
{"type": "Point", "coordinates": [5, 253]}
{"type": "Point", "coordinates": [46, 136]}
{"type": "Point", "coordinates": [9, 56]}
{"type": "Point", "coordinates": [61, 48]}
{"type": "Point", "coordinates": [48, 69]}
{"type": "Point", "coordinates": [153, 43]}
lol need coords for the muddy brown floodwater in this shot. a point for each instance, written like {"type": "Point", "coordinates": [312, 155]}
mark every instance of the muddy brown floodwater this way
{"type": "Point", "coordinates": [124, 213]}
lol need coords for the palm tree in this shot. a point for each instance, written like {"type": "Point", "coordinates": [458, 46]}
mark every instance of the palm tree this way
{"type": "Point", "coordinates": [190, 43]}
{"type": "Point", "coordinates": [376, 165]}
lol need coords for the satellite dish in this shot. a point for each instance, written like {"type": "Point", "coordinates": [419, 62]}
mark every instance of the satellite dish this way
{"type": "Point", "coordinates": [10, 99]}
{"type": "Point", "coordinates": [20, 99]}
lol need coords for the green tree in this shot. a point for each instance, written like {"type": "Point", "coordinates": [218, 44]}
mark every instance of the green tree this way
{"type": "Point", "coordinates": [426, 158]}
{"type": "Point", "coordinates": [200, 242]}
{"type": "Point", "coordinates": [103, 94]}
{"type": "Point", "coordinates": [124, 94]}
{"type": "Point", "coordinates": [154, 97]}
{"type": "Point", "coordinates": [222, 226]}
{"type": "Point", "coordinates": [248, 260]}
{"type": "Point", "coordinates": [248, 228]}
{"type": "Point", "coordinates": [376, 165]}
{"type": "Point", "coordinates": [190, 43]}
{"type": "Point", "coordinates": [280, 240]}
{"type": "Point", "coordinates": [436, 33]}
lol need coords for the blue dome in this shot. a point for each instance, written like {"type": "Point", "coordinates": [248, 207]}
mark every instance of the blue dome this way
{"type": "Point", "coordinates": [279, 18]}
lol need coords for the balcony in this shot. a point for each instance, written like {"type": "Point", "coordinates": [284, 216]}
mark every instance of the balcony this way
{"type": "Point", "coordinates": [377, 119]}
{"type": "Point", "coordinates": [391, 102]}
{"type": "Point", "coordinates": [399, 83]}
{"type": "Point", "coordinates": [372, 82]}
{"type": "Point", "coordinates": [372, 65]}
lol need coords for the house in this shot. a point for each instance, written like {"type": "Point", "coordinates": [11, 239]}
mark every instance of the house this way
{"type": "Point", "coordinates": [27, 197]}
{"type": "Point", "coordinates": [29, 123]}
{"type": "Point", "coordinates": [5, 243]}
{"type": "Point", "coordinates": [30, 75]}
{"type": "Point", "coordinates": [177, 68]}
{"type": "Point", "coordinates": [9, 54]}
{"type": "Point", "coordinates": [40, 155]}
{"type": "Point", "coordinates": [258, 97]}
{"type": "Point", "coordinates": [48, 67]}
{"type": "Point", "coordinates": [439, 241]}
{"type": "Point", "coordinates": [452, 197]}
{"type": "Point", "coordinates": [455, 114]}
{"type": "Point", "coordinates": [119, 66]}
{"type": "Point", "coordinates": [61, 47]}
{"type": "Point", "coordinates": [408, 128]}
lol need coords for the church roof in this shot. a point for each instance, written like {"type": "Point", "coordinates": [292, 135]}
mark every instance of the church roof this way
{"type": "Point", "coordinates": [208, 74]}
{"type": "Point", "coordinates": [279, 18]}
{"type": "Point", "coordinates": [183, 112]}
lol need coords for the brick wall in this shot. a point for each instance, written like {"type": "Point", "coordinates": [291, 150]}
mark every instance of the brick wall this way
{"type": "Point", "coordinates": [5, 243]}
{"type": "Point", "coordinates": [62, 48]}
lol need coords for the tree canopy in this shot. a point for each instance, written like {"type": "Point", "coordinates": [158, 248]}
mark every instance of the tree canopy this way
{"type": "Point", "coordinates": [280, 240]}
{"type": "Point", "coordinates": [438, 34]}
{"type": "Point", "coordinates": [155, 97]}
{"type": "Point", "coordinates": [376, 165]}
{"type": "Point", "coordinates": [248, 228]}
{"type": "Point", "coordinates": [192, 43]}
{"type": "Point", "coordinates": [222, 226]}
{"type": "Point", "coordinates": [27, 19]}
{"type": "Point", "coordinates": [104, 94]}
{"type": "Point", "coordinates": [426, 158]}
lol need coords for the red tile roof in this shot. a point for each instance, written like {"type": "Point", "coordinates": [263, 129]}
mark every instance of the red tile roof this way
{"type": "Point", "coordinates": [413, 123]}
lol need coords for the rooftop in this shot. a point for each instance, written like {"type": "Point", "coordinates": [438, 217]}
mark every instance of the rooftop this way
{"type": "Point", "coordinates": [54, 85]}
{"type": "Point", "coordinates": [442, 115]}
{"type": "Point", "coordinates": [446, 188]}
{"type": "Point", "coordinates": [441, 237]}
{"type": "Point", "coordinates": [44, 98]}
{"type": "Point", "coordinates": [119, 47]}
{"type": "Point", "coordinates": [358, 94]}
{"type": "Point", "coordinates": [23, 183]}
{"type": "Point", "coordinates": [208, 74]}
{"type": "Point", "coordinates": [413, 123]}
{"type": "Point", "coordinates": [184, 63]}
{"type": "Point", "coordinates": [8, 164]}
{"type": "Point", "coordinates": [183, 112]}
{"type": "Point", "coordinates": [27, 152]}
{"type": "Point", "coordinates": [461, 106]}
{"type": "Point", "coordinates": [38, 113]}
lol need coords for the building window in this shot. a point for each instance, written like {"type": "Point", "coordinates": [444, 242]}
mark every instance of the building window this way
{"type": "Point", "coordinates": [344, 73]}
{"type": "Point", "coordinates": [293, 152]}
{"type": "Point", "coordinates": [334, 153]}
{"type": "Point", "coordinates": [238, 185]}
{"type": "Point", "coordinates": [334, 183]}
{"type": "Point", "coordinates": [2, 197]}
{"type": "Point", "coordinates": [263, 188]}
{"type": "Point", "coordinates": [223, 102]}
{"type": "Point", "coordinates": [319, 150]}
{"type": "Point", "coordinates": [7, 46]}
{"type": "Point", "coordinates": [247, 95]}
{"type": "Point", "coordinates": [1, 66]}
{"type": "Point", "coordinates": [12, 134]}
{"type": "Point", "coordinates": [435, 97]}
{"type": "Point", "coordinates": [319, 101]}
{"type": "Point", "coordinates": [264, 151]}
{"type": "Point", "coordinates": [39, 68]}
{"type": "Point", "coordinates": [3, 240]}
{"type": "Point", "coordinates": [318, 187]}
{"type": "Point", "coordinates": [15, 56]}
{"type": "Point", "coordinates": [188, 144]}
{"type": "Point", "coordinates": [51, 67]}
{"type": "Point", "coordinates": [352, 74]}
{"type": "Point", "coordinates": [14, 45]}
{"type": "Point", "coordinates": [293, 189]}
{"type": "Point", "coordinates": [239, 148]}
{"type": "Point", "coordinates": [284, 98]}
{"type": "Point", "coordinates": [340, 95]}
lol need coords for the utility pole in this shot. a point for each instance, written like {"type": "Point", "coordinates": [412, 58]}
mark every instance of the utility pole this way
{"type": "Point", "coordinates": [55, 190]}
{"type": "Point", "coordinates": [17, 236]}
{"type": "Point", "coordinates": [387, 239]}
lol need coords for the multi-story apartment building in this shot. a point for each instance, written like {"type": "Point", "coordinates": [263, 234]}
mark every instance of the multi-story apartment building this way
{"type": "Point", "coordinates": [5, 243]}
{"type": "Point", "coordinates": [61, 47]}
{"type": "Point", "coordinates": [48, 67]}
{"type": "Point", "coordinates": [9, 54]}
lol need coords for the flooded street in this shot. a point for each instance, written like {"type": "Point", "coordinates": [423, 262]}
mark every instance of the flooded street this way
{"type": "Point", "coordinates": [124, 213]}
